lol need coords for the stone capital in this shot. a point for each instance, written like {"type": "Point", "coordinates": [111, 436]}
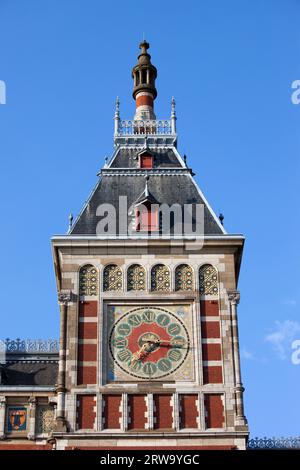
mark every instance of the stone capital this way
{"type": "Point", "coordinates": [234, 297]}
{"type": "Point", "coordinates": [2, 401]}
{"type": "Point", "coordinates": [32, 401]}
{"type": "Point", "coordinates": [64, 297]}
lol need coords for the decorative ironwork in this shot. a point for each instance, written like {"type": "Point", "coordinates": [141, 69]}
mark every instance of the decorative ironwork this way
{"type": "Point", "coordinates": [160, 278]}
{"type": "Point", "coordinates": [184, 277]}
{"type": "Point", "coordinates": [88, 280]}
{"type": "Point", "coordinates": [112, 278]}
{"type": "Point", "coordinates": [45, 419]}
{"type": "Point", "coordinates": [136, 277]}
{"type": "Point", "coordinates": [150, 126]}
{"type": "Point", "coordinates": [274, 443]}
{"type": "Point", "coordinates": [29, 345]}
{"type": "Point", "coordinates": [208, 280]}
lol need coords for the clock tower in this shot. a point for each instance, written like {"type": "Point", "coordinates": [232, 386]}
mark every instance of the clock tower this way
{"type": "Point", "coordinates": [147, 285]}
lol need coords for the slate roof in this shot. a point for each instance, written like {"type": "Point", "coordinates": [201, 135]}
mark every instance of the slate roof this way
{"type": "Point", "coordinates": [29, 373]}
{"type": "Point", "coordinates": [169, 182]}
{"type": "Point", "coordinates": [128, 158]}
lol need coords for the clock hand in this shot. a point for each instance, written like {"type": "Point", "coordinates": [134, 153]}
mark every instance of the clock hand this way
{"type": "Point", "coordinates": [143, 351]}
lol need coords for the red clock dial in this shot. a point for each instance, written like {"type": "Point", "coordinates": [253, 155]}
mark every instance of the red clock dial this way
{"type": "Point", "coordinates": [149, 342]}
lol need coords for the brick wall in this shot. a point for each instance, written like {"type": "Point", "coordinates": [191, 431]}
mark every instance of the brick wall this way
{"type": "Point", "coordinates": [111, 411]}
{"type": "Point", "coordinates": [86, 411]}
{"type": "Point", "coordinates": [137, 411]}
{"type": "Point", "coordinates": [188, 411]}
{"type": "Point", "coordinates": [163, 417]}
{"type": "Point", "coordinates": [214, 411]}
{"type": "Point", "coordinates": [211, 351]}
{"type": "Point", "coordinates": [210, 329]}
{"type": "Point", "coordinates": [209, 308]}
{"type": "Point", "coordinates": [87, 352]}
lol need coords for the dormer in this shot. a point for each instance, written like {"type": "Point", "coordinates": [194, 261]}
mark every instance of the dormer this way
{"type": "Point", "coordinates": [145, 159]}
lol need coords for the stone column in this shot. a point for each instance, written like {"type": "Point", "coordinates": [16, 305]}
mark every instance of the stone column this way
{"type": "Point", "coordinates": [64, 299]}
{"type": "Point", "coordinates": [99, 412]}
{"type": "Point", "coordinates": [201, 412]}
{"type": "Point", "coordinates": [2, 416]}
{"type": "Point", "coordinates": [124, 416]}
{"type": "Point", "coordinates": [234, 298]}
{"type": "Point", "coordinates": [150, 412]}
{"type": "Point", "coordinates": [176, 420]}
{"type": "Point", "coordinates": [32, 414]}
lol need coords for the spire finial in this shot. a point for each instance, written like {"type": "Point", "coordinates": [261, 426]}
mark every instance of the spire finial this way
{"type": "Point", "coordinates": [146, 186]}
{"type": "Point", "coordinates": [173, 116]}
{"type": "Point", "coordinates": [144, 91]}
{"type": "Point", "coordinates": [117, 116]}
{"type": "Point", "coordinates": [117, 111]}
{"type": "Point", "coordinates": [173, 103]}
{"type": "Point", "coordinates": [70, 221]}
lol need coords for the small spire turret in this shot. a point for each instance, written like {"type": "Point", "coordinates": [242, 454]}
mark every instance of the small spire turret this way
{"type": "Point", "coordinates": [144, 91]}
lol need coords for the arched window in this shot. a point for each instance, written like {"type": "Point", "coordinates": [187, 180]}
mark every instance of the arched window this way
{"type": "Point", "coordinates": [136, 277]}
{"type": "Point", "coordinates": [88, 280]}
{"type": "Point", "coordinates": [208, 280]}
{"type": "Point", "coordinates": [112, 278]}
{"type": "Point", "coordinates": [184, 277]}
{"type": "Point", "coordinates": [160, 278]}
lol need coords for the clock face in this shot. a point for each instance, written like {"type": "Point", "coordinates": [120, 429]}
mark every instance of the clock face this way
{"type": "Point", "coordinates": [149, 343]}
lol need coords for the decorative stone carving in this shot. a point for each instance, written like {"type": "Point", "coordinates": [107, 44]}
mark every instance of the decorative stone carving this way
{"type": "Point", "coordinates": [45, 419]}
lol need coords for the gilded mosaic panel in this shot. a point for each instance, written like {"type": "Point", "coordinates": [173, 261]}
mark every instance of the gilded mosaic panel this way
{"type": "Point", "coordinates": [184, 278]}
{"type": "Point", "coordinates": [136, 277]}
{"type": "Point", "coordinates": [208, 280]}
{"type": "Point", "coordinates": [88, 280]}
{"type": "Point", "coordinates": [112, 278]}
{"type": "Point", "coordinates": [160, 278]}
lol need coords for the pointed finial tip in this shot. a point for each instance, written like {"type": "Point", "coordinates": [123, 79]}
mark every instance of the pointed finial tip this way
{"type": "Point", "coordinates": [70, 220]}
{"type": "Point", "coordinates": [144, 45]}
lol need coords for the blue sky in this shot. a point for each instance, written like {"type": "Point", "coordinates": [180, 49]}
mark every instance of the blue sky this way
{"type": "Point", "coordinates": [230, 66]}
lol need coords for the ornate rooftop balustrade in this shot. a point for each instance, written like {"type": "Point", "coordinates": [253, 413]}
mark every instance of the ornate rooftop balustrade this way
{"type": "Point", "coordinates": [161, 127]}
{"type": "Point", "coordinates": [274, 443]}
{"type": "Point", "coordinates": [29, 346]}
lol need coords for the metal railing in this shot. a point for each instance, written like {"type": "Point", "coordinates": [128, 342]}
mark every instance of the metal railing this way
{"type": "Point", "coordinates": [274, 443]}
{"type": "Point", "coordinates": [17, 346]}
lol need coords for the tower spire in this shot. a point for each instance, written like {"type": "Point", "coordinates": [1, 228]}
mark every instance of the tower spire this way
{"type": "Point", "coordinates": [144, 91]}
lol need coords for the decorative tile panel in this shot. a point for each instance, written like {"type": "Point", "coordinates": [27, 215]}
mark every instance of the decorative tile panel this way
{"type": "Point", "coordinates": [16, 418]}
{"type": "Point", "coordinates": [88, 280]}
{"type": "Point", "coordinates": [136, 277]}
{"type": "Point", "coordinates": [160, 278]}
{"type": "Point", "coordinates": [112, 278]}
{"type": "Point", "coordinates": [184, 277]}
{"type": "Point", "coordinates": [208, 280]}
{"type": "Point", "coordinates": [44, 419]}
